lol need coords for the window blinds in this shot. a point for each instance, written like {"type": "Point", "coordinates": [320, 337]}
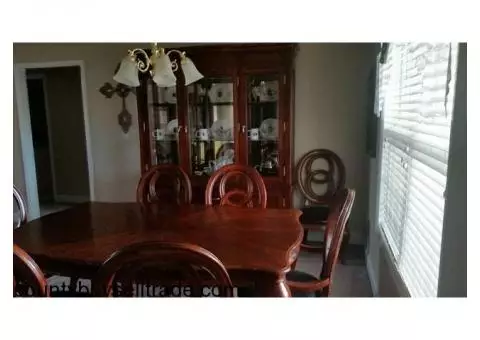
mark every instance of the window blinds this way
{"type": "Point", "coordinates": [415, 98]}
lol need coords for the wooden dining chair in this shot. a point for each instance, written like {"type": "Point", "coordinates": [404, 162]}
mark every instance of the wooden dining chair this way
{"type": "Point", "coordinates": [236, 185]}
{"type": "Point", "coordinates": [165, 183]}
{"type": "Point", "coordinates": [20, 213]}
{"type": "Point", "coordinates": [318, 186]}
{"type": "Point", "coordinates": [162, 269]}
{"type": "Point", "coordinates": [307, 285]}
{"type": "Point", "coordinates": [20, 218]}
{"type": "Point", "coordinates": [28, 278]}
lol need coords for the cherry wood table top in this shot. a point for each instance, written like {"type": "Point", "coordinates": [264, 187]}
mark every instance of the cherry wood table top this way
{"type": "Point", "coordinates": [87, 234]}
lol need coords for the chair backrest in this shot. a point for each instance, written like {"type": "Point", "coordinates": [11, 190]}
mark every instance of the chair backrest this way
{"type": "Point", "coordinates": [28, 278]}
{"type": "Point", "coordinates": [166, 183]}
{"type": "Point", "coordinates": [20, 213]}
{"type": "Point", "coordinates": [236, 185]}
{"type": "Point", "coordinates": [333, 236]}
{"type": "Point", "coordinates": [162, 269]}
{"type": "Point", "coordinates": [333, 176]}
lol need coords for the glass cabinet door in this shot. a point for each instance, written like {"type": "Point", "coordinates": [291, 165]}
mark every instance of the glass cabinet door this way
{"type": "Point", "coordinates": [262, 123]}
{"type": "Point", "coordinates": [211, 125]}
{"type": "Point", "coordinates": [163, 124]}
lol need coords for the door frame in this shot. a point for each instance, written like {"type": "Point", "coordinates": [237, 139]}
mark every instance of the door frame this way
{"type": "Point", "coordinates": [25, 129]}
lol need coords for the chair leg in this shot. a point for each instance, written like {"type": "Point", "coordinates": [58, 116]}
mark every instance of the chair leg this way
{"type": "Point", "coordinates": [344, 246]}
{"type": "Point", "coordinates": [305, 236]}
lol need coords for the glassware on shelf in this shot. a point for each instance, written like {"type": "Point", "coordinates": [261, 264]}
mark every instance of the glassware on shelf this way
{"type": "Point", "coordinates": [163, 124]}
{"type": "Point", "coordinates": [210, 117]}
{"type": "Point", "coordinates": [262, 120]}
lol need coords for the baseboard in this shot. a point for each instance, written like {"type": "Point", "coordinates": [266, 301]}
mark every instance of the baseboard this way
{"type": "Point", "coordinates": [71, 199]}
{"type": "Point", "coordinates": [371, 276]}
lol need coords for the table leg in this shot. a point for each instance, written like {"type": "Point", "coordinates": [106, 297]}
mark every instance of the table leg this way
{"type": "Point", "coordinates": [280, 289]}
{"type": "Point", "coordinates": [265, 284]}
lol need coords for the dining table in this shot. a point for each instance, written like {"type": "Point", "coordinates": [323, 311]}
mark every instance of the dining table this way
{"type": "Point", "coordinates": [256, 246]}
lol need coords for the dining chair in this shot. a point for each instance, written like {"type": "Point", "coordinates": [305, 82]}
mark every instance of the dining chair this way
{"type": "Point", "coordinates": [236, 185]}
{"type": "Point", "coordinates": [162, 269]}
{"type": "Point", "coordinates": [28, 278]}
{"type": "Point", "coordinates": [20, 213]}
{"type": "Point", "coordinates": [166, 183]}
{"type": "Point", "coordinates": [318, 186]}
{"type": "Point", "coordinates": [19, 218]}
{"type": "Point", "coordinates": [304, 284]}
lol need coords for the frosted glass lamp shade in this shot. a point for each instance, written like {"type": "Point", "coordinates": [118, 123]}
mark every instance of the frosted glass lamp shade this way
{"type": "Point", "coordinates": [190, 71]}
{"type": "Point", "coordinates": [163, 74]}
{"type": "Point", "coordinates": [127, 73]}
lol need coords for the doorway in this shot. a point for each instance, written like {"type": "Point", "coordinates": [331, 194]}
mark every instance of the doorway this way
{"type": "Point", "coordinates": [54, 135]}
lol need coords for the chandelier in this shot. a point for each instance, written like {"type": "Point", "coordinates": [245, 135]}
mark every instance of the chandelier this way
{"type": "Point", "coordinates": [158, 64]}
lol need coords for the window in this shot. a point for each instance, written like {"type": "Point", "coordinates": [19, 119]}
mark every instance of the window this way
{"type": "Point", "coordinates": [414, 100]}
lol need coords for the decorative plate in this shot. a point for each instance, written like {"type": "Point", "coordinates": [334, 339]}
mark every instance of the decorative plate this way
{"type": "Point", "coordinates": [269, 91]}
{"type": "Point", "coordinates": [269, 129]}
{"type": "Point", "coordinates": [221, 130]}
{"type": "Point", "coordinates": [172, 127]}
{"type": "Point", "coordinates": [221, 93]}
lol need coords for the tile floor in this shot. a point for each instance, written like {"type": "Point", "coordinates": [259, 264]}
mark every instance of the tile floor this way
{"type": "Point", "coordinates": [350, 280]}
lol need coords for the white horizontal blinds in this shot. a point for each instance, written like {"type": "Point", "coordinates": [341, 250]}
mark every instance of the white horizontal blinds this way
{"type": "Point", "coordinates": [415, 98]}
{"type": "Point", "coordinates": [393, 187]}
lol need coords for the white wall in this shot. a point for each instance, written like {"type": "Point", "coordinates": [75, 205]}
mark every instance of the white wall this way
{"type": "Point", "coordinates": [330, 110]}
{"type": "Point", "coordinates": [115, 155]}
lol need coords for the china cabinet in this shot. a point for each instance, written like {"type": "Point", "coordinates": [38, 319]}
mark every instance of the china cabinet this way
{"type": "Point", "coordinates": [240, 112]}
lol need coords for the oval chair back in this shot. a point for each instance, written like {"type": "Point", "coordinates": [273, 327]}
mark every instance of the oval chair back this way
{"type": "Point", "coordinates": [162, 269]}
{"type": "Point", "coordinates": [236, 185]}
{"type": "Point", "coordinates": [165, 183]}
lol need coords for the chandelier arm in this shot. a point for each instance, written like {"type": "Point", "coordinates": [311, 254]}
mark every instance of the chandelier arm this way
{"type": "Point", "coordinates": [182, 54]}
{"type": "Point", "coordinates": [141, 65]}
{"type": "Point", "coordinates": [174, 61]}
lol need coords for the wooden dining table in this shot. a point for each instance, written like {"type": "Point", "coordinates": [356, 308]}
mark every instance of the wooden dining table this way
{"type": "Point", "coordinates": [257, 246]}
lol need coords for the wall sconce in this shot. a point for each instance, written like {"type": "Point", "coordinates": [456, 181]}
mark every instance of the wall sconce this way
{"type": "Point", "coordinates": [124, 117]}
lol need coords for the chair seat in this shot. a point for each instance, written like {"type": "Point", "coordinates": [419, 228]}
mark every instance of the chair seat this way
{"type": "Point", "coordinates": [301, 294]}
{"type": "Point", "coordinates": [314, 214]}
{"type": "Point", "coordinates": [312, 244]}
{"type": "Point", "coordinates": [299, 276]}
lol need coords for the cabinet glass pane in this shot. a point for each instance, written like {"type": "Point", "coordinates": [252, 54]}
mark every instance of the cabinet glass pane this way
{"type": "Point", "coordinates": [211, 127]}
{"type": "Point", "coordinates": [262, 124]}
{"type": "Point", "coordinates": [163, 124]}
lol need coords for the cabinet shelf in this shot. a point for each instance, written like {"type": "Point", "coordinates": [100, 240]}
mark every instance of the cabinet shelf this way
{"type": "Point", "coordinates": [264, 140]}
{"type": "Point", "coordinates": [166, 140]}
{"type": "Point", "coordinates": [263, 103]}
{"type": "Point", "coordinates": [214, 104]}
{"type": "Point", "coordinates": [167, 105]}
{"type": "Point", "coordinates": [212, 140]}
